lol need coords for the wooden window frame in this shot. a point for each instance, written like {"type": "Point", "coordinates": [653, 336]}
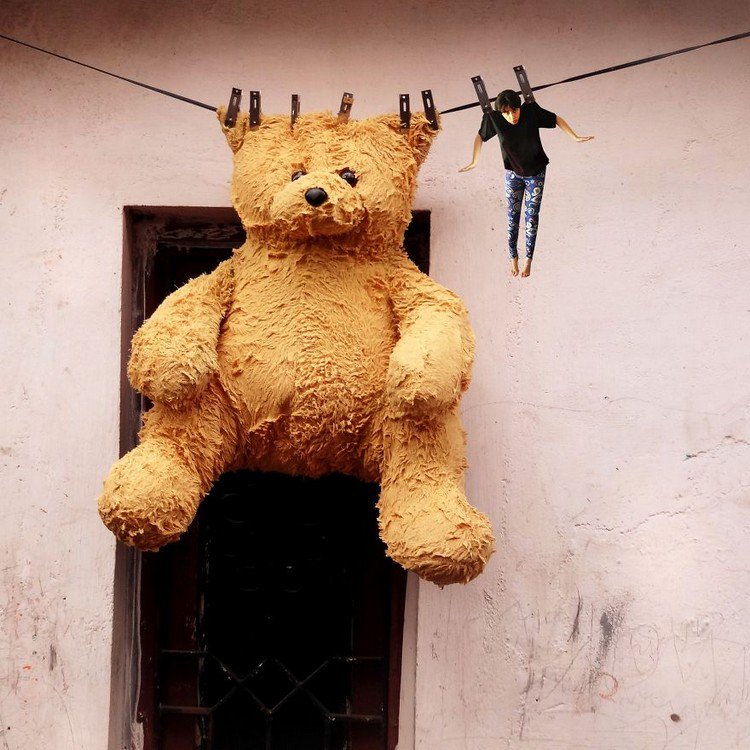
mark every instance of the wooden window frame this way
{"type": "Point", "coordinates": [134, 644]}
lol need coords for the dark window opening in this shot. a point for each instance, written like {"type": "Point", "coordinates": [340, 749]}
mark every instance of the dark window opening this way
{"type": "Point", "coordinates": [276, 621]}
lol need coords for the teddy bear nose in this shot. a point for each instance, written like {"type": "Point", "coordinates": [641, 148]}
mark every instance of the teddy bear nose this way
{"type": "Point", "coordinates": [316, 196]}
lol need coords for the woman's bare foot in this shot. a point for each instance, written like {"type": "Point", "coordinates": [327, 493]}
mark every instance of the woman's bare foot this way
{"type": "Point", "coordinates": [526, 269]}
{"type": "Point", "coordinates": [514, 266]}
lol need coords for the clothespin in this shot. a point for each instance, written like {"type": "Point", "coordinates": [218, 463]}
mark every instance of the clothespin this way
{"type": "Point", "coordinates": [230, 119]}
{"type": "Point", "coordinates": [404, 111]}
{"type": "Point", "coordinates": [254, 110]}
{"type": "Point", "coordinates": [295, 108]}
{"type": "Point", "coordinates": [484, 100]}
{"type": "Point", "coordinates": [485, 104]}
{"type": "Point", "coordinates": [429, 108]}
{"type": "Point", "coordinates": [346, 107]}
{"type": "Point", "coordinates": [523, 82]}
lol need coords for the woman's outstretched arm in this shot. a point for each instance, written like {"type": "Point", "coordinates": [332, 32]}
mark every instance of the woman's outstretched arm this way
{"type": "Point", "coordinates": [475, 155]}
{"type": "Point", "coordinates": [564, 126]}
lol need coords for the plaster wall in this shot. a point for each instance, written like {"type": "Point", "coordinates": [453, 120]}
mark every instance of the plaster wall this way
{"type": "Point", "coordinates": [608, 417]}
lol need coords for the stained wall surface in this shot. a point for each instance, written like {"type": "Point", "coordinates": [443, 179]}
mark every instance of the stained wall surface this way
{"type": "Point", "coordinates": [608, 419]}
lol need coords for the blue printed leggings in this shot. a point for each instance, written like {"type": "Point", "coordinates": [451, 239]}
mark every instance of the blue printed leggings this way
{"type": "Point", "coordinates": [515, 187]}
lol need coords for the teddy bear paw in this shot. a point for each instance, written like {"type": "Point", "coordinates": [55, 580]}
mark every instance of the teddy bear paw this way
{"type": "Point", "coordinates": [421, 388]}
{"type": "Point", "coordinates": [150, 497]}
{"type": "Point", "coordinates": [437, 534]}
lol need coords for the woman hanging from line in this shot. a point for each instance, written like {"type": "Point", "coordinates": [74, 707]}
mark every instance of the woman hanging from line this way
{"type": "Point", "coordinates": [517, 126]}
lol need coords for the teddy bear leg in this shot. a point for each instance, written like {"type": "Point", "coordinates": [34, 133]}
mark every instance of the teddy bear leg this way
{"type": "Point", "coordinates": [425, 520]}
{"type": "Point", "coordinates": [152, 493]}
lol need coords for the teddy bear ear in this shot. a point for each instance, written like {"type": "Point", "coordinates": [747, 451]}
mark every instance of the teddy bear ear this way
{"type": "Point", "coordinates": [235, 135]}
{"type": "Point", "coordinates": [419, 135]}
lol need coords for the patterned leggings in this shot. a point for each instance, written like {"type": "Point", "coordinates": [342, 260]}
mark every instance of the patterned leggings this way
{"type": "Point", "coordinates": [515, 186]}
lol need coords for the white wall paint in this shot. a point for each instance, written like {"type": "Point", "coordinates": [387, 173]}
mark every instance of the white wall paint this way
{"type": "Point", "coordinates": [607, 420]}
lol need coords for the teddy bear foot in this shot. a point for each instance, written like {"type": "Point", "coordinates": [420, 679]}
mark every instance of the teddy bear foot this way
{"type": "Point", "coordinates": [435, 532]}
{"type": "Point", "coordinates": [150, 496]}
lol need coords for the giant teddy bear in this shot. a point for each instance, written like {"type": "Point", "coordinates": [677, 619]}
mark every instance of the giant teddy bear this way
{"type": "Point", "coordinates": [318, 347]}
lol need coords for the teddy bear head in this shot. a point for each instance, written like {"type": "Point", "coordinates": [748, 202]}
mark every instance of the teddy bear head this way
{"type": "Point", "coordinates": [326, 178]}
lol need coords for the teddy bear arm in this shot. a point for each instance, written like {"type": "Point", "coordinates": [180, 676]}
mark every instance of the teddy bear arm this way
{"type": "Point", "coordinates": [431, 362]}
{"type": "Point", "coordinates": [173, 354]}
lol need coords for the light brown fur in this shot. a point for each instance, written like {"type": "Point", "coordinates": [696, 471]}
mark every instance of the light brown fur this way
{"type": "Point", "coordinates": [317, 348]}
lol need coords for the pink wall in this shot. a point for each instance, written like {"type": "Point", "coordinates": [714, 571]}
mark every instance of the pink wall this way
{"type": "Point", "coordinates": [607, 421]}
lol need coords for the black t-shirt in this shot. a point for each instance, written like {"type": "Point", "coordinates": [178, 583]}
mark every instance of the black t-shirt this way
{"type": "Point", "coordinates": [520, 143]}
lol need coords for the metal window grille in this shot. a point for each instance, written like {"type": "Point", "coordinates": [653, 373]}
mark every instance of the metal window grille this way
{"type": "Point", "coordinates": [292, 639]}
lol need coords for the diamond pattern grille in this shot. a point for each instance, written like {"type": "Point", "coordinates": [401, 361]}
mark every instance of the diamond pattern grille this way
{"type": "Point", "coordinates": [291, 634]}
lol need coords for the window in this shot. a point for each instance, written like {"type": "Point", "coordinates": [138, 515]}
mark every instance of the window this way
{"type": "Point", "coordinates": [276, 621]}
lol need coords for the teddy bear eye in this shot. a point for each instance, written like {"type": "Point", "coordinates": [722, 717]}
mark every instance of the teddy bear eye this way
{"type": "Point", "coordinates": [296, 175]}
{"type": "Point", "coordinates": [349, 176]}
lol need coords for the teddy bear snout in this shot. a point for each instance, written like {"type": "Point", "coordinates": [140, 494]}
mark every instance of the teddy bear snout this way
{"type": "Point", "coordinates": [316, 196]}
{"type": "Point", "coordinates": [317, 204]}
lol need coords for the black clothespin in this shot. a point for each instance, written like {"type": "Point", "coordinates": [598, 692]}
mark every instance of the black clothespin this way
{"type": "Point", "coordinates": [230, 119]}
{"type": "Point", "coordinates": [404, 111]}
{"type": "Point", "coordinates": [484, 100]}
{"type": "Point", "coordinates": [254, 110]}
{"type": "Point", "coordinates": [295, 108]}
{"type": "Point", "coordinates": [346, 107]}
{"type": "Point", "coordinates": [523, 82]}
{"type": "Point", "coordinates": [429, 108]}
{"type": "Point", "coordinates": [485, 104]}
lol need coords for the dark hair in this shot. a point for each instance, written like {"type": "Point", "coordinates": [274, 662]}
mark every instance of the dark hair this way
{"type": "Point", "coordinates": [507, 99]}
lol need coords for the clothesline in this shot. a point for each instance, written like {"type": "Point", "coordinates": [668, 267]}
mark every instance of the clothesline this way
{"type": "Point", "coordinates": [581, 76]}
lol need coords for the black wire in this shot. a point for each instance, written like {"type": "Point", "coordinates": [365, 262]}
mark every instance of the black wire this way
{"type": "Point", "coordinates": [611, 69]}
{"type": "Point", "coordinates": [114, 75]}
{"type": "Point", "coordinates": [461, 107]}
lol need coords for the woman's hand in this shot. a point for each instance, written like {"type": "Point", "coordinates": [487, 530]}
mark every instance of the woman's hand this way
{"type": "Point", "coordinates": [572, 133]}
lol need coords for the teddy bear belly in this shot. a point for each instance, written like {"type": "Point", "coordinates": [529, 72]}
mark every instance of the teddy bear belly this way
{"type": "Point", "coordinates": [308, 402]}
